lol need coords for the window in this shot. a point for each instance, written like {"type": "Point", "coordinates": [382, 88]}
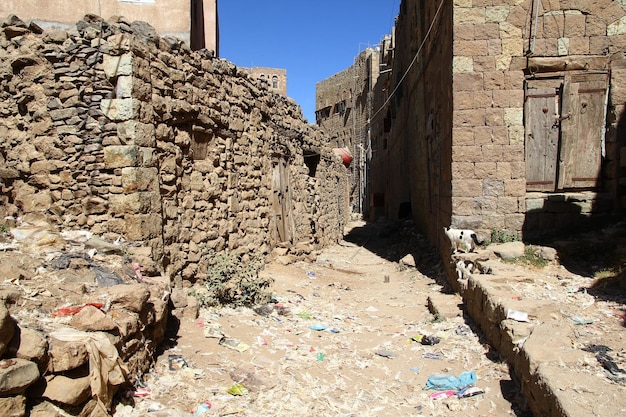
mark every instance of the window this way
{"type": "Point", "coordinates": [564, 131]}
{"type": "Point", "coordinates": [263, 79]}
{"type": "Point", "coordinates": [311, 160]}
{"type": "Point", "coordinates": [274, 81]}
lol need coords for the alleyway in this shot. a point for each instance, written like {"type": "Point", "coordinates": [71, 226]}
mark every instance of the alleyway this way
{"type": "Point", "coordinates": [348, 337]}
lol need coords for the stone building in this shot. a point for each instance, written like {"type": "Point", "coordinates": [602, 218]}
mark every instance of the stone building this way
{"type": "Point", "coordinates": [108, 128]}
{"type": "Point", "coordinates": [274, 79]}
{"type": "Point", "coordinates": [503, 116]}
{"type": "Point", "coordinates": [193, 21]}
{"type": "Point", "coordinates": [343, 105]}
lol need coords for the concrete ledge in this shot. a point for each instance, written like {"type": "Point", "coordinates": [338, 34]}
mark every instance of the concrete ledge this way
{"type": "Point", "coordinates": [556, 376]}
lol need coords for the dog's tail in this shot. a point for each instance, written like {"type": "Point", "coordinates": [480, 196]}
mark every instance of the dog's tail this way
{"type": "Point", "coordinates": [475, 239]}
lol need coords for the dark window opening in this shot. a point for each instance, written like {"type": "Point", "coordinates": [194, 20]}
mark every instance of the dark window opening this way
{"type": "Point", "coordinates": [274, 81]}
{"type": "Point", "coordinates": [404, 211]}
{"type": "Point", "coordinates": [311, 160]}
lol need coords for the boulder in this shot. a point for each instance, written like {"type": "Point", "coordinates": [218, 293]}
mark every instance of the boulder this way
{"type": "Point", "coordinates": [14, 406]}
{"type": "Point", "coordinates": [7, 328]}
{"type": "Point", "coordinates": [16, 375]}
{"type": "Point", "coordinates": [92, 319]}
{"type": "Point", "coordinates": [509, 250]}
{"type": "Point", "coordinates": [66, 355]}
{"type": "Point", "coordinates": [71, 391]}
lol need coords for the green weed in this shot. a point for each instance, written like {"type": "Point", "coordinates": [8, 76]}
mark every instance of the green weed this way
{"type": "Point", "coordinates": [530, 258]}
{"type": "Point", "coordinates": [232, 281]}
{"type": "Point", "coordinates": [504, 236]}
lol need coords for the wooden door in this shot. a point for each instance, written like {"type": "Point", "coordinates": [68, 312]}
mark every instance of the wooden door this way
{"type": "Point", "coordinates": [542, 135]}
{"type": "Point", "coordinates": [582, 130]}
{"type": "Point", "coordinates": [281, 200]}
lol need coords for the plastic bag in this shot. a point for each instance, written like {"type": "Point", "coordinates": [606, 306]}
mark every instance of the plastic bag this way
{"type": "Point", "coordinates": [444, 382]}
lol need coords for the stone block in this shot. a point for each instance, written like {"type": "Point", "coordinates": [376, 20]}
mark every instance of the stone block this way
{"type": "Point", "coordinates": [139, 202]}
{"type": "Point", "coordinates": [115, 66]}
{"type": "Point", "coordinates": [16, 375]}
{"type": "Point", "coordinates": [466, 187]}
{"type": "Point", "coordinates": [66, 390]}
{"type": "Point", "coordinates": [472, 15]}
{"type": "Point", "coordinates": [120, 109]}
{"type": "Point", "coordinates": [13, 406]}
{"type": "Point", "coordinates": [471, 48]}
{"type": "Point", "coordinates": [509, 31]}
{"type": "Point", "coordinates": [464, 32]}
{"type": "Point", "coordinates": [467, 153]}
{"type": "Point", "coordinates": [468, 82]}
{"type": "Point", "coordinates": [139, 179]}
{"type": "Point", "coordinates": [463, 206]}
{"type": "Point", "coordinates": [492, 152]}
{"type": "Point", "coordinates": [492, 187]}
{"type": "Point", "coordinates": [515, 187]}
{"type": "Point", "coordinates": [131, 297]}
{"type": "Point", "coordinates": [512, 47]}
{"type": "Point", "coordinates": [462, 64]}
{"type": "Point", "coordinates": [29, 344]}
{"type": "Point", "coordinates": [142, 226]}
{"type": "Point", "coordinates": [467, 118]}
{"type": "Point", "coordinates": [119, 156]}
{"type": "Point", "coordinates": [66, 355]}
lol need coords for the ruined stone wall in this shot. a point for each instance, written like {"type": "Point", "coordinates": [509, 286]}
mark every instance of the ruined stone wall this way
{"type": "Point", "coordinates": [132, 135]}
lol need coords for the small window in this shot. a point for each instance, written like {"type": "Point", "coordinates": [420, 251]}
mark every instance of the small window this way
{"type": "Point", "coordinates": [264, 81]}
{"type": "Point", "coordinates": [311, 160]}
{"type": "Point", "coordinates": [274, 81]}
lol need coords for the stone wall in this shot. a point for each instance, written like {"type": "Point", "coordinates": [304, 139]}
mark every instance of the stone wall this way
{"type": "Point", "coordinates": [133, 136]}
{"type": "Point", "coordinates": [342, 110]}
{"type": "Point", "coordinates": [411, 163]}
{"type": "Point", "coordinates": [499, 47]}
{"type": "Point", "coordinates": [452, 141]}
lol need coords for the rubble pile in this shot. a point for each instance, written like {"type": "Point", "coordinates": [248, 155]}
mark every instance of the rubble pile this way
{"type": "Point", "coordinates": [78, 322]}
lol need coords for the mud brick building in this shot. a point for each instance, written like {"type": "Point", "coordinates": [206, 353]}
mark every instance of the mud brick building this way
{"type": "Point", "coordinates": [343, 106]}
{"type": "Point", "coordinates": [274, 79]}
{"type": "Point", "coordinates": [504, 115]}
{"type": "Point", "coordinates": [192, 21]}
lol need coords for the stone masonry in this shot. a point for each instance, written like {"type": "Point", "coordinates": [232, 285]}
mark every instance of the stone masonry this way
{"type": "Point", "coordinates": [456, 134]}
{"type": "Point", "coordinates": [111, 128]}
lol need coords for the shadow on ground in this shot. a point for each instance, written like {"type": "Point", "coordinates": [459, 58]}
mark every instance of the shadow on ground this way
{"type": "Point", "coordinates": [600, 255]}
{"type": "Point", "coordinates": [395, 240]}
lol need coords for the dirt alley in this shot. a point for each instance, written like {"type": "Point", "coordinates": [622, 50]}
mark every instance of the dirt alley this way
{"type": "Point", "coordinates": [343, 339]}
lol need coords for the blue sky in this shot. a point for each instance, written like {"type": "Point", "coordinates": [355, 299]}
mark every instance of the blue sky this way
{"type": "Point", "coordinates": [311, 39]}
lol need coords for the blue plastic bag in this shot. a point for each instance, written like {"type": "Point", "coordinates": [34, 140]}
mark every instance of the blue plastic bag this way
{"type": "Point", "coordinates": [444, 382]}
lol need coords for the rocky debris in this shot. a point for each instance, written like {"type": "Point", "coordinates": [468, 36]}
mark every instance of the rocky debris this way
{"type": "Point", "coordinates": [72, 341]}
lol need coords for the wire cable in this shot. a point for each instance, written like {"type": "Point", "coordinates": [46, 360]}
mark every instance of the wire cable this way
{"type": "Point", "coordinates": [432, 24]}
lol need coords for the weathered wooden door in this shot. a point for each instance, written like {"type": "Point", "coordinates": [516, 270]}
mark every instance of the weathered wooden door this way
{"type": "Point", "coordinates": [281, 200]}
{"type": "Point", "coordinates": [542, 136]}
{"type": "Point", "coordinates": [564, 131]}
{"type": "Point", "coordinates": [582, 130]}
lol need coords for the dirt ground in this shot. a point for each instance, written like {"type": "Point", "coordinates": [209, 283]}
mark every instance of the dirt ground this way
{"type": "Point", "coordinates": [342, 339]}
